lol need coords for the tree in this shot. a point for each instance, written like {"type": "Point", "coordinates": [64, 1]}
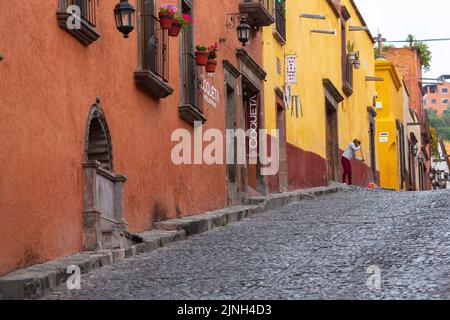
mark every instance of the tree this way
{"type": "Point", "coordinates": [424, 51]}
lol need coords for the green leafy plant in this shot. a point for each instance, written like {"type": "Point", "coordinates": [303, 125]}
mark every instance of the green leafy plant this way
{"type": "Point", "coordinates": [168, 8]}
{"type": "Point", "coordinates": [200, 48]}
{"type": "Point", "coordinates": [213, 49]}
{"type": "Point", "coordinates": [350, 47]}
{"type": "Point", "coordinates": [424, 51]}
{"type": "Point", "coordinates": [184, 19]}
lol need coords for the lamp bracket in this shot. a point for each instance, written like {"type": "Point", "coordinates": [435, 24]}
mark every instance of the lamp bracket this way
{"type": "Point", "coordinates": [233, 19]}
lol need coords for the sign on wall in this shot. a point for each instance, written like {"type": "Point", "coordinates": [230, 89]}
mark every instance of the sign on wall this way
{"type": "Point", "coordinates": [210, 92]}
{"type": "Point", "coordinates": [291, 70]}
{"type": "Point", "coordinates": [384, 137]}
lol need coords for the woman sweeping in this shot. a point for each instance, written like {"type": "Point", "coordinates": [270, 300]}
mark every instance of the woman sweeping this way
{"type": "Point", "coordinates": [347, 157]}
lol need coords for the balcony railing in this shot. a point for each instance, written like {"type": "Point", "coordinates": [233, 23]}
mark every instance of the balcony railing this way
{"type": "Point", "coordinates": [155, 48]}
{"type": "Point", "coordinates": [87, 9]}
{"type": "Point", "coordinates": [260, 12]}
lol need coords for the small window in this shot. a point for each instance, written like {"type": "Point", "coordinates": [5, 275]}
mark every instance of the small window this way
{"type": "Point", "coordinates": [433, 101]}
{"type": "Point", "coordinates": [444, 90]}
{"type": "Point", "coordinates": [445, 101]}
{"type": "Point", "coordinates": [78, 17]}
{"type": "Point", "coordinates": [433, 89]}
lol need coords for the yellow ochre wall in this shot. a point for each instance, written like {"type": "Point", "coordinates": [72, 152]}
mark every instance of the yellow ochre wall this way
{"type": "Point", "coordinates": [390, 95]}
{"type": "Point", "coordinates": [319, 58]}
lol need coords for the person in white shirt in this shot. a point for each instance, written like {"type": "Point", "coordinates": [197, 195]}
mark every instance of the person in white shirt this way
{"type": "Point", "coordinates": [347, 157]}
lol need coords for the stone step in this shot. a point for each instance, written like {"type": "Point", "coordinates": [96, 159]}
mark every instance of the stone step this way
{"type": "Point", "coordinates": [35, 281]}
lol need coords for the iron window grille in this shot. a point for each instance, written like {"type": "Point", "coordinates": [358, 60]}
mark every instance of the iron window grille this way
{"type": "Point", "coordinates": [87, 9]}
{"type": "Point", "coordinates": [155, 48]}
{"type": "Point", "coordinates": [280, 17]}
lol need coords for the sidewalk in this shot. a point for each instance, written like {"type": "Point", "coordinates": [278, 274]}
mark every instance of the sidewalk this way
{"type": "Point", "coordinates": [35, 281]}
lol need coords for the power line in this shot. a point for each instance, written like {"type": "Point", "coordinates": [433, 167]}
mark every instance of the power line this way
{"type": "Point", "coordinates": [425, 40]}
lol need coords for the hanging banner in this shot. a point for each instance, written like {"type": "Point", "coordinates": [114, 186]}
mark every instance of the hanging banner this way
{"type": "Point", "coordinates": [291, 70]}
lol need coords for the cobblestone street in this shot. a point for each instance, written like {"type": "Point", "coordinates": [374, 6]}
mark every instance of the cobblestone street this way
{"type": "Point", "coordinates": [315, 249]}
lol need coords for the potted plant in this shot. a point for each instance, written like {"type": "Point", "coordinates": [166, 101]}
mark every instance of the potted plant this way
{"type": "Point", "coordinates": [351, 51]}
{"type": "Point", "coordinates": [166, 15]}
{"type": "Point", "coordinates": [357, 62]}
{"type": "Point", "coordinates": [179, 22]}
{"type": "Point", "coordinates": [201, 55]}
{"type": "Point", "coordinates": [212, 58]}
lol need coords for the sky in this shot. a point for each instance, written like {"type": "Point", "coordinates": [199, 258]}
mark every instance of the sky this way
{"type": "Point", "coordinates": [425, 19]}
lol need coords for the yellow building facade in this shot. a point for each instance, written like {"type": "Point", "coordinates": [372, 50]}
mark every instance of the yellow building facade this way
{"type": "Point", "coordinates": [319, 100]}
{"type": "Point", "coordinates": [390, 125]}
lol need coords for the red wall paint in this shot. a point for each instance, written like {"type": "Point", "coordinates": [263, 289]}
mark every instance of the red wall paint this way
{"type": "Point", "coordinates": [48, 81]}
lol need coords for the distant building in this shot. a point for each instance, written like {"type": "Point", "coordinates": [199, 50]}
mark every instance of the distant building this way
{"type": "Point", "coordinates": [437, 96]}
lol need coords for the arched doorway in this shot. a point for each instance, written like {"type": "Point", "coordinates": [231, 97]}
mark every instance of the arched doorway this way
{"type": "Point", "coordinates": [103, 215]}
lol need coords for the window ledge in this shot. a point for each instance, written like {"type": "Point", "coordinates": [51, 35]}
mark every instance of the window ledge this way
{"type": "Point", "coordinates": [190, 114]}
{"type": "Point", "coordinates": [151, 84]}
{"type": "Point", "coordinates": [86, 35]}
{"type": "Point", "coordinates": [347, 88]}
{"type": "Point", "coordinates": [279, 37]}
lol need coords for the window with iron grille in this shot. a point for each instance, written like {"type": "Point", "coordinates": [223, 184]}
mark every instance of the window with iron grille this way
{"type": "Point", "coordinates": [280, 17]}
{"type": "Point", "coordinates": [87, 9]}
{"type": "Point", "coordinates": [78, 17]}
{"type": "Point", "coordinates": [152, 75]}
{"type": "Point", "coordinates": [188, 65]}
{"type": "Point", "coordinates": [155, 41]}
{"type": "Point", "coordinates": [191, 107]}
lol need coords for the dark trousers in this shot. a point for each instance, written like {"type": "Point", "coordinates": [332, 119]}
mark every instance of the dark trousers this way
{"type": "Point", "coordinates": [347, 170]}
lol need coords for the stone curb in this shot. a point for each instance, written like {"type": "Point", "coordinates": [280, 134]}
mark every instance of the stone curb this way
{"type": "Point", "coordinates": [35, 281]}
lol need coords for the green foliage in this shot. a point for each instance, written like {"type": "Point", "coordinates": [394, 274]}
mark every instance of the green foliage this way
{"type": "Point", "coordinates": [200, 48]}
{"type": "Point", "coordinates": [350, 47]}
{"type": "Point", "coordinates": [424, 51]}
{"type": "Point", "coordinates": [441, 124]}
{"type": "Point", "coordinates": [385, 47]}
{"type": "Point", "coordinates": [434, 142]}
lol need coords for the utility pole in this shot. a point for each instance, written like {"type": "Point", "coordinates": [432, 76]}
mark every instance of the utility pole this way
{"type": "Point", "coordinates": [380, 41]}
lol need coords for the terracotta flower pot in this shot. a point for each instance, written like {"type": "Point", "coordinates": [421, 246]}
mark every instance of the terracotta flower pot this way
{"type": "Point", "coordinates": [211, 65]}
{"type": "Point", "coordinates": [166, 19]}
{"type": "Point", "coordinates": [174, 30]}
{"type": "Point", "coordinates": [201, 58]}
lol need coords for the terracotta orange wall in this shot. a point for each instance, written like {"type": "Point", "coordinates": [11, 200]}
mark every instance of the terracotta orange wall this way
{"type": "Point", "coordinates": [48, 81]}
{"type": "Point", "coordinates": [439, 107]}
{"type": "Point", "coordinates": [408, 62]}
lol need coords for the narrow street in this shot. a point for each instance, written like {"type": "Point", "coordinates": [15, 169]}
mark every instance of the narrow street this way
{"type": "Point", "coordinates": [315, 249]}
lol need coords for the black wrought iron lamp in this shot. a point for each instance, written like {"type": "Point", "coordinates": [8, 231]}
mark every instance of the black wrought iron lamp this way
{"type": "Point", "coordinates": [124, 13]}
{"type": "Point", "coordinates": [243, 29]}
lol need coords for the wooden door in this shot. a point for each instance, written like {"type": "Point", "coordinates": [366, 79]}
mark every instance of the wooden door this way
{"type": "Point", "coordinates": [331, 142]}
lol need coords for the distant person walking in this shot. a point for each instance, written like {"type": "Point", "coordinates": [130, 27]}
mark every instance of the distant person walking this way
{"type": "Point", "coordinates": [347, 157]}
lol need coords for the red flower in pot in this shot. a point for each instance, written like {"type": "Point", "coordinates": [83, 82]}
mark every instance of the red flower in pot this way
{"type": "Point", "coordinates": [166, 15]}
{"type": "Point", "coordinates": [212, 58]}
{"type": "Point", "coordinates": [179, 22]}
{"type": "Point", "coordinates": [201, 56]}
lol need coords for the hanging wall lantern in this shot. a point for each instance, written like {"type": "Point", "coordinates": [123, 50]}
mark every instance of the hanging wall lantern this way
{"type": "Point", "coordinates": [124, 14]}
{"type": "Point", "coordinates": [243, 30]}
